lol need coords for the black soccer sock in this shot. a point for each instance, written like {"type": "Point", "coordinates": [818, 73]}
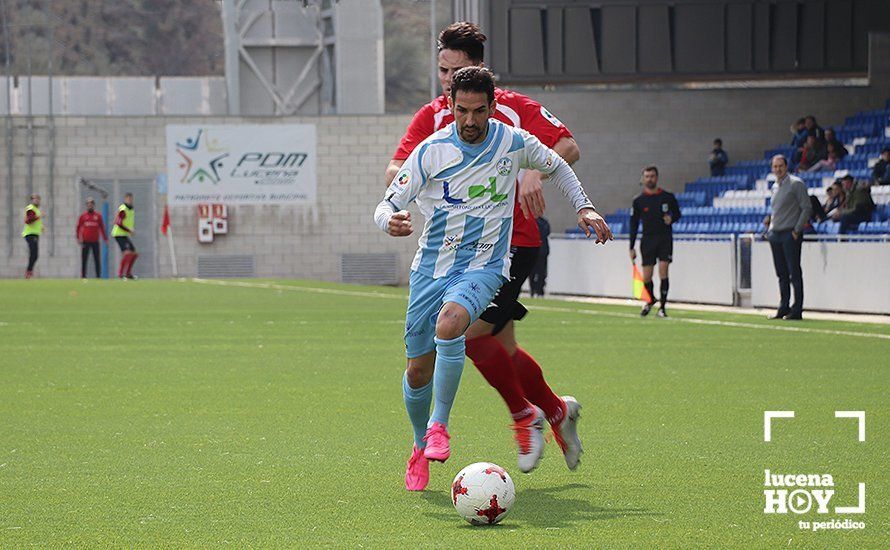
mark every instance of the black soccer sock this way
{"type": "Point", "coordinates": [650, 287]}
{"type": "Point", "coordinates": [665, 284]}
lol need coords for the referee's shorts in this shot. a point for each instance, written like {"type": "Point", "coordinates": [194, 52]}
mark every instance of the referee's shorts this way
{"type": "Point", "coordinates": [657, 247]}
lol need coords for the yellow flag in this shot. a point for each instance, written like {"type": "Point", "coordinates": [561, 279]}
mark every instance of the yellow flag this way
{"type": "Point", "coordinates": [640, 292]}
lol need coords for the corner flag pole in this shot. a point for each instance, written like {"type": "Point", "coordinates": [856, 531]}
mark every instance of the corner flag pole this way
{"type": "Point", "coordinates": [172, 252]}
{"type": "Point", "coordinates": [167, 229]}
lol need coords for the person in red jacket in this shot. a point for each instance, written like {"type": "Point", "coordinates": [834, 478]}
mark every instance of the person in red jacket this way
{"type": "Point", "coordinates": [90, 226]}
{"type": "Point", "coordinates": [491, 341]}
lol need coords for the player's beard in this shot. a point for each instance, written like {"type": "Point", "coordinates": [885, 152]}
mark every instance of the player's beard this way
{"type": "Point", "coordinates": [470, 134]}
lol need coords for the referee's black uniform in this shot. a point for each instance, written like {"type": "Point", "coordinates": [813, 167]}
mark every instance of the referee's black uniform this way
{"type": "Point", "coordinates": [657, 242]}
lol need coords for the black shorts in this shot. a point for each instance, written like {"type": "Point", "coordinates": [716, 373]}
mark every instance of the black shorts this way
{"type": "Point", "coordinates": [125, 243]}
{"type": "Point", "coordinates": [506, 307]}
{"type": "Point", "coordinates": [660, 247]}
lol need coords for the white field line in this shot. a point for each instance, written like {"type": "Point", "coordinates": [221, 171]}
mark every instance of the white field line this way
{"type": "Point", "coordinates": [313, 290]}
{"type": "Point", "coordinates": [711, 322]}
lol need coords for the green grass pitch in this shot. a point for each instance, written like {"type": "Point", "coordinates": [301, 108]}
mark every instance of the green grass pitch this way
{"type": "Point", "coordinates": [167, 413]}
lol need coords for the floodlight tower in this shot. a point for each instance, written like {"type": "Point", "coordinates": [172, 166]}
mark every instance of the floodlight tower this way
{"type": "Point", "coordinates": [303, 56]}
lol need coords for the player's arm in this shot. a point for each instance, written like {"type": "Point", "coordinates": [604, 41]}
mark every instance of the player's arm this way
{"type": "Point", "coordinates": [531, 190]}
{"type": "Point", "coordinates": [391, 215]}
{"type": "Point", "coordinates": [420, 128]}
{"type": "Point", "coordinates": [552, 133]}
{"type": "Point", "coordinates": [79, 228]}
{"type": "Point", "coordinates": [392, 169]}
{"type": "Point", "coordinates": [119, 221]}
{"type": "Point", "coordinates": [542, 158]}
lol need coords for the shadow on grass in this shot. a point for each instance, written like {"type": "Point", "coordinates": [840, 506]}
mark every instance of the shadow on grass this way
{"type": "Point", "coordinates": [543, 507]}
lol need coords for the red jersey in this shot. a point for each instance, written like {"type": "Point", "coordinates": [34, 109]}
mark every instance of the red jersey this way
{"type": "Point", "coordinates": [90, 227]}
{"type": "Point", "coordinates": [514, 109]}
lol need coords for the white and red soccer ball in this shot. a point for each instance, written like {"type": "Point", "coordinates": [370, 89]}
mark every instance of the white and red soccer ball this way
{"type": "Point", "coordinates": [483, 493]}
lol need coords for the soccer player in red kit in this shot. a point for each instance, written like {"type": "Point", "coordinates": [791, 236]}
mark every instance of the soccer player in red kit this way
{"type": "Point", "coordinates": [90, 226]}
{"type": "Point", "coordinates": [491, 341]}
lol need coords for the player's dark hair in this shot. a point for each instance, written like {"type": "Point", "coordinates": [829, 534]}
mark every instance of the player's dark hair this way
{"type": "Point", "coordinates": [719, 142]}
{"type": "Point", "coordinates": [650, 169]}
{"type": "Point", "coordinates": [465, 37]}
{"type": "Point", "coordinates": [128, 195]}
{"type": "Point", "coordinates": [473, 79]}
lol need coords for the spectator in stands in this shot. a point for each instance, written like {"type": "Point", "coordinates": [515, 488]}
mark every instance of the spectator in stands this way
{"type": "Point", "coordinates": [813, 128]}
{"type": "Point", "coordinates": [811, 153]}
{"type": "Point", "coordinates": [834, 198]}
{"type": "Point", "coordinates": [828, 163]}
{"type": "Point", "coordinates": [839, 149]}
{"type": "Point", "coordinates": [798, 133]}
{"type": "Point", "coordinates": [790, 209]}
{"type": "Point", "coordinates": [718, 159]}
{"type": "Point", "coordinates": [881, 172]}
{"type": "Point", "coordinates": [858, 205]}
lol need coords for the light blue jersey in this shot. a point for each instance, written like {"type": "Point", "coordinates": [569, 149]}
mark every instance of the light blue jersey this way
{"type": "Point", "coordinates": [466, 193]}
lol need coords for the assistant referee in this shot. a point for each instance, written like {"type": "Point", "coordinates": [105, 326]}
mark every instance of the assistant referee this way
{"type": "Point", "coordinates": [658, 210]}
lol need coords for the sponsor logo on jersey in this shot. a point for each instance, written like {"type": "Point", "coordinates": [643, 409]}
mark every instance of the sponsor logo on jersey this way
{"type": "Point", "coordinates": [404, 177]}
{"type": "Point", "coordinates": [490, 189]}
{"type": "Point", "coordinates": [475, 191]}
{"type": "Point", "coordinates": [550, 118]}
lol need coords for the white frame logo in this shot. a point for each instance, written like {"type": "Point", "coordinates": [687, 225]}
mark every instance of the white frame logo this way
{"type": "Point", "coordinates": [801, 493]}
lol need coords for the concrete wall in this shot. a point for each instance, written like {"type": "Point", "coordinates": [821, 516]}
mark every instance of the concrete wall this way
{"type": "Point", "coordinates": [702, 272]}
{"type": "Point", "coordinates": [618, 130]}
{"type": "Point", "coordinates": [353, 153]}
{"type": "Point", "coordinates": [621, 129]}
{"type": "Point", "coordinates": [837, 276]}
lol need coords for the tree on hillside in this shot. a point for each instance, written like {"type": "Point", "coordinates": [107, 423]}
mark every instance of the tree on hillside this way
{"type": "Point", "coordinates": [115, 37]}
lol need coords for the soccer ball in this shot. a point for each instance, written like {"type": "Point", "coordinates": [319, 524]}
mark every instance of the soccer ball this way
{"type": "Point", "coordinates": [483, 493]}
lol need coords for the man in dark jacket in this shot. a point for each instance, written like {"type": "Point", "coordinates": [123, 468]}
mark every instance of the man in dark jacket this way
{"type": "Point", "coordinates": [881, 171]}
{"type": "Point", "coordinates": [858, 206]}
{"type": "Point", "coordinates": [718, 159]}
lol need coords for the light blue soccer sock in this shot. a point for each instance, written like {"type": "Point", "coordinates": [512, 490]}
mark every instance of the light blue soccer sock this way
{"type": "Point", "coordinates": [417, 403]}
{"type": "Point", "coordinates": [446, 379]}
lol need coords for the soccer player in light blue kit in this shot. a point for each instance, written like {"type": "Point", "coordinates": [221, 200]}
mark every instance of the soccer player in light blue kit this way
{"type": "Point", "coordinates": [463, 179]}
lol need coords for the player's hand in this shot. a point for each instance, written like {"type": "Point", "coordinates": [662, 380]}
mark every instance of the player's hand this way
{"type": "Point", "coordinates": [588, 219]}
{"type": "Point", "coordinates": [400, 224]}
{"type": "Point", "coordinates": [633, 255]}
{"type": "Point", "coordinates": [795, 235]}
{"type": "Point", "coordinates": [531, 194]}
{"type": "Point", "coordinates": [668, 219]}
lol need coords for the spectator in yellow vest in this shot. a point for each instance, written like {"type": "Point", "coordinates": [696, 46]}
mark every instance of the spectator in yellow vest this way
{"type": "Point", "coordinates": [124, 228]}
{"type": "Point", "coordinates": [31, 232]}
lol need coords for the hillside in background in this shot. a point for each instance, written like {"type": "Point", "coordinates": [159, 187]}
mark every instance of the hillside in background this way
{"type": "Point", "coordinates": [176, 38]}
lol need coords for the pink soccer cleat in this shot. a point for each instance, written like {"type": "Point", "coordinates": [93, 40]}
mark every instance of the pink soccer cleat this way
{"type": "Point", "coordinates": [437, 447]}
{"type": "Point", "coordinates": [417, 475]}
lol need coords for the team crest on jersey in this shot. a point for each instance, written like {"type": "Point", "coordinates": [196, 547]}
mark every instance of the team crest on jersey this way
{"type": "Point", "coordinates": [404, 177]}
{"type": "Point", "coordinates": [505, 165]}
{"type": "Point", "coordinates": [549, 116]}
